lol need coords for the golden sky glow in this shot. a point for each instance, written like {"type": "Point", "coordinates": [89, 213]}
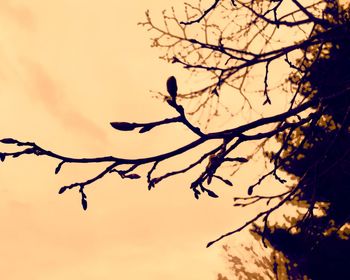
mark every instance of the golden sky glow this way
{"type": "Point", "coordinates": [67, 69]}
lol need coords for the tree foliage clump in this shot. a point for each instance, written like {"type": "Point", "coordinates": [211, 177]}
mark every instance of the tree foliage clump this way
{"type": "Point", "coordinates": [316, 241]}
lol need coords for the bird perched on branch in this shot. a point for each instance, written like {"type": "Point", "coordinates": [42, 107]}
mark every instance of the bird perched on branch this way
{"type": "Point", "coordinates": [172, 87]}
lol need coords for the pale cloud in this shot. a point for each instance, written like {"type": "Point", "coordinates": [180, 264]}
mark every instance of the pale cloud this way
{"type": "Point", "coordinates": [20, 14]}
{"type": "Point", "coordinates": [48, 92]}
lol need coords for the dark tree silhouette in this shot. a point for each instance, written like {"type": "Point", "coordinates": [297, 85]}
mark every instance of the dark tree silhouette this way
{"type": "Point", "coordinates": [238, 46]}
{"type": "Point", "coordinates": [316, 241]}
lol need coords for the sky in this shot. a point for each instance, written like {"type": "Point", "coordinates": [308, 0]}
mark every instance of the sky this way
{"type": "Point", "coordinates": [67, 69]}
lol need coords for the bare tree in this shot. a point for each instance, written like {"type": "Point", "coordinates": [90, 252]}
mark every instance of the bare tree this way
{"type": "Point", "coordinates": [232, 44]}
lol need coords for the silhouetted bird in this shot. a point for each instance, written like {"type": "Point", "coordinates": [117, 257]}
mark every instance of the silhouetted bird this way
{"type": "Point", "coordinates": [172, 87]}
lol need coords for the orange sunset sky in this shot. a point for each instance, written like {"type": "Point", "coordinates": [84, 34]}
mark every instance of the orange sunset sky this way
{"type": "Point", "coordinates": [68, 68]}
